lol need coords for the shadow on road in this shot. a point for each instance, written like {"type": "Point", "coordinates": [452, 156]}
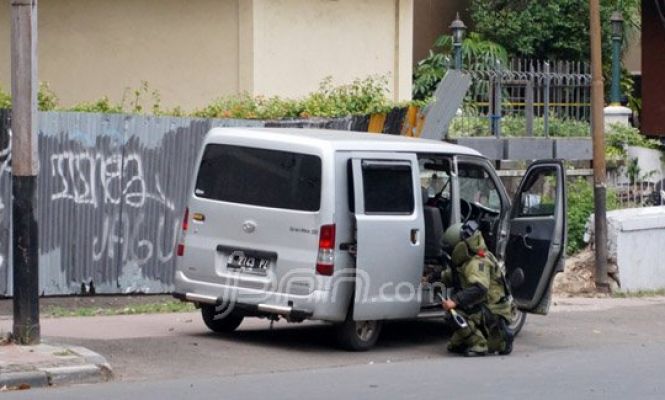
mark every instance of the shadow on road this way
{"type": "Point", "coordinates": [321, 337]}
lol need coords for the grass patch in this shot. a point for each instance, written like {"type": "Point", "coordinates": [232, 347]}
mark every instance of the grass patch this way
{"type": "Point", "coordinates": [149, 308]}
{"type": "Point", "coordinates": [639, 293]}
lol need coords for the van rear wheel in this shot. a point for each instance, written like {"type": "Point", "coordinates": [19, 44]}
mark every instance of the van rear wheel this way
{"type": "Point", "coordinates": [358, 335]}
{"type": "Point", "coordinates": [219, 321]}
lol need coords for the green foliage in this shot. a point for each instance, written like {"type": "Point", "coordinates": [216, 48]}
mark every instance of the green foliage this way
{"type": "Point", "coordinates": [580, 207]}
{"type": "Point", "coordinates": [619, 136]}
{"type": "Point", "coordinates": [361, 97]}
{"type": "Point", "coordinates": [103, 105]}
{"type": "Point", "coordinates": [515, 126]}
{"type": "Point", "coordinates": [247, 107]}
{"type": "Point", "coordinates": [478, 54]}
{"type": "Point", "coordinates": [554, 29]}
{"type": "Point", "coordinates": [46, 98]}
{"type": "Point", "coordinates": [5, 99]}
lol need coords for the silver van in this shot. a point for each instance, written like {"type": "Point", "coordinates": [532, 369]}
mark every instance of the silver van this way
{"type": "Point", "coordinates": [345, 227]}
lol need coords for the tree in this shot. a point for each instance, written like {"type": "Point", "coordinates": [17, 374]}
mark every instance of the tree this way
{"type": "Point", "coordinates": [553, 29]}
{"type": "Point", "coordinates": [477, 55]}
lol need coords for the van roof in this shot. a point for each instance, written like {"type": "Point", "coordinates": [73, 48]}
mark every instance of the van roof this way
{"type": "Point", "coordinates": [342, 140]}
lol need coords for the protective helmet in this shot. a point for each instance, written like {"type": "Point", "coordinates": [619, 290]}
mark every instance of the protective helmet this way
{"type": "Point", "coordinates": [452, 235]}
{"type": "Point", "coordinates": [458, 232]}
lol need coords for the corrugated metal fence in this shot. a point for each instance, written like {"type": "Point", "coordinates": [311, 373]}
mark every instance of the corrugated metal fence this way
{"type": "Point", "coordinates": [112, 189]}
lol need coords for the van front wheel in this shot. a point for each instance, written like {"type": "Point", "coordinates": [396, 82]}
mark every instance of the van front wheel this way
{"type": "Point", "coordinates": [358, 335]}
{"type": "Point", "coordinates": [219, 321]}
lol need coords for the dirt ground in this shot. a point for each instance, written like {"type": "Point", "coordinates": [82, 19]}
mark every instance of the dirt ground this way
{"type": "Point", "coordinates": [75, 302]}
{"type": "Point", "coordinates": [578, 278]}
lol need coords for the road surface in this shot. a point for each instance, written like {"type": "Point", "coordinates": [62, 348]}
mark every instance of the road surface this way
{"type": "Point", "coordinates": [586, 349]}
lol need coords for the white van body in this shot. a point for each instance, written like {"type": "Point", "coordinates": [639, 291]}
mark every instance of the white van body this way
{"type": "Point", "coordinates": [331, 225]}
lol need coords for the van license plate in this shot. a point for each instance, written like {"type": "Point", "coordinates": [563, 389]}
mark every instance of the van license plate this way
{"type": "Point", "coordinates": [248, 263]}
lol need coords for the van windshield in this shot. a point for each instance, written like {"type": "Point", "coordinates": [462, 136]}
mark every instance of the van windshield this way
{"type": "Point", "coordinates": [260, 177]}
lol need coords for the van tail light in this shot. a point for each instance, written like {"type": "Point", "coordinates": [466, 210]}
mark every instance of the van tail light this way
{"type": "Point", "coordinates": [325, 261]}
{"type": "Point", "coordinates": [180, 250]}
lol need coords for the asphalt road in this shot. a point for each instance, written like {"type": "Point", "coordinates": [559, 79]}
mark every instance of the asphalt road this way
{"type": "Point", "coordinates": [585, 349]}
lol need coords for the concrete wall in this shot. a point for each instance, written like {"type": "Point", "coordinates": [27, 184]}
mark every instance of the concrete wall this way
{"type": "Point", "coordinates": [634, 236]}
{"type": "Point", "coordinates": [193, 51]}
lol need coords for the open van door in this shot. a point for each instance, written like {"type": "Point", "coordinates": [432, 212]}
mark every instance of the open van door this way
{"type": "Point", "coordinates": [389, 235]}
{"type": "Point", "coordinates": [536, 245]}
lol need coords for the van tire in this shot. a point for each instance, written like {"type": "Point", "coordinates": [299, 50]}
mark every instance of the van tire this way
{"type": "Point", "coordinates": [516, 325]}
{"type": "Point", "coordinates": [226, 324]}
{"type": "Point", "coordinates": [358, 335]}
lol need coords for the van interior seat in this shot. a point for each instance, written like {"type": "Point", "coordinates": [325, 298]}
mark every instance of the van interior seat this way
{"type": "Point", "coordinates": [433, 232]}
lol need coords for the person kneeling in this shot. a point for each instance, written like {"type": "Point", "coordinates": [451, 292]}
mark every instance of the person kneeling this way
{"type": "Point", "coordinates": [479, 294]}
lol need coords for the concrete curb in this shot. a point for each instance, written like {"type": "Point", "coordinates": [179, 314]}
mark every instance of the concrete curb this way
{"type": "Point", "coordinates": [95, 369]}
{"type": "Point", "coordinates": [29, 378]}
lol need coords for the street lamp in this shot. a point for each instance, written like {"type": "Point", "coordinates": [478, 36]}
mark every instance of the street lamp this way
{"type": "Point", "coordinates": [459, 29]}
{"type": "Point", "coordinates": [617, 36]}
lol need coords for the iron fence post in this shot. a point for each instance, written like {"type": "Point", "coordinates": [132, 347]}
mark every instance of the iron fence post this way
{"type": "Point", "coordinates": [546, 101]}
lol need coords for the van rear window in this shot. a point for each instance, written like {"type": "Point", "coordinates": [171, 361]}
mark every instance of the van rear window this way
{"type": "Point", "coordinates": [260, 177]}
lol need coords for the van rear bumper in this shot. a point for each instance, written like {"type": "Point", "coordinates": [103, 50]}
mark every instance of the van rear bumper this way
{"type": "Point", "coordinates": [319, 304]}
{"type": "Point", "coordinates": [250, 309]}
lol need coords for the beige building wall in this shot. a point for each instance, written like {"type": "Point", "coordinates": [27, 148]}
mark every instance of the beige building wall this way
{"type": "Point", "coordinates": [193, 51]}
{"type": "Point", "coordinates": [92, 48]}
{"type": "Point", "coordinates": [297, 43]}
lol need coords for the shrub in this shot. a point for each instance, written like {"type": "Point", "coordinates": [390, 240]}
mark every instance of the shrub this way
{"type": "Point", "coordinates": [365, 96]}
{"type": "Point", "coordinates": [515, 126]}
{"type": "Point", "coordinates": [5, 99]}
{"type": "Point", "coordinates": [103, 105]}
{"type": "Point", "coordinates": [580, 207]}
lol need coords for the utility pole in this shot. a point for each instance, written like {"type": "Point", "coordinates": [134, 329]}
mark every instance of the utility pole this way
{"type": "Point", "coordinates": [599, 173]}
{"type": "Point", "coordinates": [24, 171]}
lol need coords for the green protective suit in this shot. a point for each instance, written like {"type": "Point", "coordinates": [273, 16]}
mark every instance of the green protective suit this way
{"type": "Point", "coordinates": [481, 297]}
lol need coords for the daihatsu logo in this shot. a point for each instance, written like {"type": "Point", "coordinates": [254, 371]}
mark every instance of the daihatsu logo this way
{"type": "Point", "coordinates": [249, 226]}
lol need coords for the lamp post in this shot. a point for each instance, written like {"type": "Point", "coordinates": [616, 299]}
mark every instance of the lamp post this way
{"type": "Point", "coordinates": [617, 35]}
{"type": "Point", "coordinates": [459, 29]}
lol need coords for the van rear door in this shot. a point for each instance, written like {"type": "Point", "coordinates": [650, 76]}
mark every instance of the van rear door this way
{"type": "Point", "coordinates": [389, 235]}
{"type": "Point", "coordinates": [255, 218]}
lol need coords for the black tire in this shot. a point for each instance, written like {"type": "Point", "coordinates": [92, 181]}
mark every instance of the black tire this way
{"type": "Point", "coordinates": [358, 335]}
{"type": "Point", "coordinates": [516, 325]}
{"type": "Point", "coordinates": [224, 324]}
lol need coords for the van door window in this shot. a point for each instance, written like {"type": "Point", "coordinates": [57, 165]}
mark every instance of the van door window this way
{"type": "Point", "coordinates": [387, 188]}
{"type": "Point", "coordinates": [477, 187]}
{"type": "Point", "coordinates": [480, 200]}
{"type": "Point", "coordinates": [436, 184]}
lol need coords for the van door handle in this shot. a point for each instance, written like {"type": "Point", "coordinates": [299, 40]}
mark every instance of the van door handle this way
{"type": "Point", "coordinates": [524, 238]}
{"type": "Point", "coordinates": [415, 236]}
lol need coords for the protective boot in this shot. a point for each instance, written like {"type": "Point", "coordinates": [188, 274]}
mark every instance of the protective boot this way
{"type": "Point", "coordinates": [476, 351]}
{"type": "Point", "coordinates": [508, 338]}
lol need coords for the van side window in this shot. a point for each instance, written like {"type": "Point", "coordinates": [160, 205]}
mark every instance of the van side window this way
{"type": "Point", "coordinates": [260, 177]}
{"type": "Point", "coordinates": [388, 188]}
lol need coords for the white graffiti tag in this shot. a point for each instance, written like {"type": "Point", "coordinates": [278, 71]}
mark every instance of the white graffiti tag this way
{"type": "Point", "coordinates": [80, 175]}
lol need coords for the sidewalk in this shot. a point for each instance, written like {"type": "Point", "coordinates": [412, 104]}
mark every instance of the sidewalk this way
{"type": "Point", "coordinates": [46, 364]}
